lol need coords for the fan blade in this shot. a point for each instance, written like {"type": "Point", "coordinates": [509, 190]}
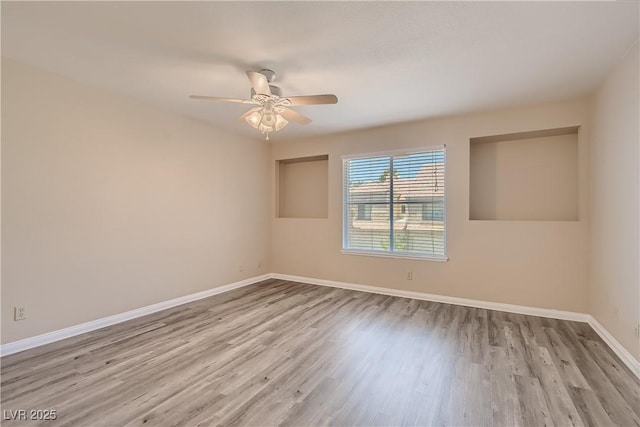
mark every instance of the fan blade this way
{"type": "Point", "coordinates": [259, 83]}
{"type": "Point", "coordinates": [216, 98]}
{"type": "Point", "coordinates": [295, 116]}
{"type": "Point", "coordinates": [312, 99]}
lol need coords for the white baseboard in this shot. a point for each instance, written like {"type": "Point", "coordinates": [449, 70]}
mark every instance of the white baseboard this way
{"type": "Point", "coordinates": [25, 344]}
{"type": "Point", "coordinates": [510, 308]}
{"type": "Point", "coordinates": [615, 345]}
{"type": "Point", "coordinates": [49, 337]}
{"type": "Point", "coordinates": [622, 353]}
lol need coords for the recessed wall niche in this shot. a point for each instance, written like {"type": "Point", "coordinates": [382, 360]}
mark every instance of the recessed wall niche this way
{"type": "Point", "coordinates": [526, 176]}
{"type": "Point", "coordinates": [302, 187]}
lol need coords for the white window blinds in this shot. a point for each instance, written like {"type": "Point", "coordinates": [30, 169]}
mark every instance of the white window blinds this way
{"type": "Point", "coordinates": [395, 204]}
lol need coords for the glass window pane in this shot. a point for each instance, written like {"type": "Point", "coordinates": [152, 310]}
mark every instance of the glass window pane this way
{"type": "Point", "coordinates": [405, 192]}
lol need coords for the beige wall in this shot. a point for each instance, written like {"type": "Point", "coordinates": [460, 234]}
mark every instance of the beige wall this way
{"type": "Point", "coordinates": [110, 205]}
{"type": "Point", "coordinates": [525, 179]}
{"type": "Point", "coordinates": [615, 184]}
{"type": "Point", "coordinates": [302, 189]}
{"type": "Point", "coordinates": [534, 263]}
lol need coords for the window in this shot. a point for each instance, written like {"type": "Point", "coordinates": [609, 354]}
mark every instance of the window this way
{"type": "Point", "coordinates": [394, 204]}
{"type": "Point", "coordinates": [433, 211]}
{"type": "Point", "coordinates": [364, 212]}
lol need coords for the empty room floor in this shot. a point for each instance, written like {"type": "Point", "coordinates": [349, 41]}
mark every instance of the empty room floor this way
{"type": "Point", "coordinates": [285, 353]}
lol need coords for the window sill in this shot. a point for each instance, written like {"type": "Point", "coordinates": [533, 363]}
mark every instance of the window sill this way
{"type": "Point", "coordinates": [398, 256]}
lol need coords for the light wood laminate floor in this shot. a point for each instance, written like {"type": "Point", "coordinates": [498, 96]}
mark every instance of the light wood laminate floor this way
{"type": "Point", "coordinates": [295, 354]}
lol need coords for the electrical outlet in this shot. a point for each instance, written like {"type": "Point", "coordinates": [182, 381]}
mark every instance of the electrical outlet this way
{"type": "Point", "coordinates": [19, 313]}
{"type": "Point", "coordinates": [409, 275]}
{"type": "Point", "coordinates": [259, 265]}
{"type": "Point", "coordinates": [241, 268]}
{"type": "Point", "coordinates": [636, 330]}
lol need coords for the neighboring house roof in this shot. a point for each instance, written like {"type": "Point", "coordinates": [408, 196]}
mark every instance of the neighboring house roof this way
{"type": "Point", "coordinates": [427, 184]}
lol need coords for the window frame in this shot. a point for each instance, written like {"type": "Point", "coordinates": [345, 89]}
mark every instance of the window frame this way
{"type": "Point", "coordinates": [392, 254]}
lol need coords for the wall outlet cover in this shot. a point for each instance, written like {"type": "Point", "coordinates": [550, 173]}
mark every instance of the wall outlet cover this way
{"type": "Point", "coordinates": [19, 313]}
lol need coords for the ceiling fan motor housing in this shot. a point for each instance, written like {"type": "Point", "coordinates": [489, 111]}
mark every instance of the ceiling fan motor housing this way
{"type": "Point", "coordinates": [275, 90]}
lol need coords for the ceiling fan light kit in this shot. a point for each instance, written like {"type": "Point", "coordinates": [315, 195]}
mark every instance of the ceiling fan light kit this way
{"type": "Point", "coordinates": [266, 120]}
{"type": "Point", "coordinates": [272, 113]}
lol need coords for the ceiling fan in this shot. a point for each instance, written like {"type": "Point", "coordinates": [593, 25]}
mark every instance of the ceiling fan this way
{"type": "Point", "coordinates": [272, 111]}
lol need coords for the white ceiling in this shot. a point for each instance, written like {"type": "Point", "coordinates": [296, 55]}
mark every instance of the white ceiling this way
{"type": "Point", "coordinates": [386, 61]}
